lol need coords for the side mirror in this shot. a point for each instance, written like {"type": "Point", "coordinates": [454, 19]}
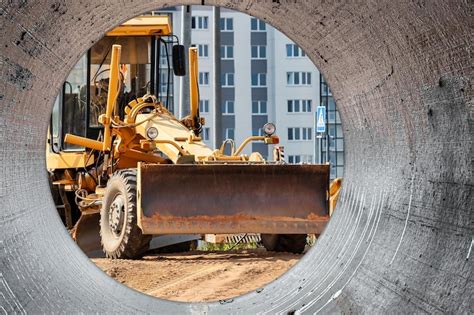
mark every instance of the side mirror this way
{"type": "Point", "coordinates": [179, 60]}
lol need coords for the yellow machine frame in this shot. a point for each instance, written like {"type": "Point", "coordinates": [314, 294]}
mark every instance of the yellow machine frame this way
{"type": "Point", "coordinates": [146, 25]}
{"type": "Point", "coordinates": [150, 135]}
{"type": "Point", "coordinates": [176, 139]}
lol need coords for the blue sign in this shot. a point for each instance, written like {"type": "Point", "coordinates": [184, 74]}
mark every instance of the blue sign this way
{"type": "Point", "coordinates": [321, 119]}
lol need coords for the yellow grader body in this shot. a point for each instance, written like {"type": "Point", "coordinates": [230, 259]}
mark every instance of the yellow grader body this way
{"type": "Point", "coordinates": [157, 176]}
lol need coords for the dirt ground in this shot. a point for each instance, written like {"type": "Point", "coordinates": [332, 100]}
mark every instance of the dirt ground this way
{"type": "Point", "coordinates": [200, 276]}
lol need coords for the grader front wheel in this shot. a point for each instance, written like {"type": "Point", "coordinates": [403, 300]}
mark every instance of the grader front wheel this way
{"type": "Point", "coordinates": [120, 235]}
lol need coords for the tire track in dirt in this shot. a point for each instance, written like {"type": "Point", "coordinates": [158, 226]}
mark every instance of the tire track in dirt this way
{"type": "Point", "coordinates": [200, 276]}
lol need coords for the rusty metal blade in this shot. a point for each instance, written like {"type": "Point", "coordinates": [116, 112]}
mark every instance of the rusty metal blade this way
{"type": "Point", "coordinates": [233, 198]}
{"type": "Point", "coordinates": [86, 232]}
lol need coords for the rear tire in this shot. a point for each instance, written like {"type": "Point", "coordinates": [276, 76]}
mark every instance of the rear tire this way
{"type": "Point", "coordinates": [120, 235]}
{"type": "Point", "coordinates": [291, 243]}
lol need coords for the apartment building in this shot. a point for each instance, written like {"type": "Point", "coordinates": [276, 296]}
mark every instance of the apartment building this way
{"type": "Point", "coordinates": [265, 77]}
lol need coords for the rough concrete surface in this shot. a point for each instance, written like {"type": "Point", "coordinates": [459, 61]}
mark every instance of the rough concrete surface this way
{"type": "Point", "coordinates": [401, 72]}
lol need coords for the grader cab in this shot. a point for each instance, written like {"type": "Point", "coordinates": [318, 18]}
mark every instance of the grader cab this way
{"type": "Point", "coordinates": [124, 157]}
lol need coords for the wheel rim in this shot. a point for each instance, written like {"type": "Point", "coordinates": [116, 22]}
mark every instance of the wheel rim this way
{"type": "Point", "coordinates": [117, 215]}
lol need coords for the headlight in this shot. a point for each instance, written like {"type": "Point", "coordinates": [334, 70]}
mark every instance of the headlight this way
{"type": "Point", "coordinates": [269, 129]}
{"type": "Point", "coordinates": [152, 133]}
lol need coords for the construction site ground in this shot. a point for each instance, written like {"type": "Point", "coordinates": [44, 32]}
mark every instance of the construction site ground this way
{"type": "Point", "coordinates": [200, 275]}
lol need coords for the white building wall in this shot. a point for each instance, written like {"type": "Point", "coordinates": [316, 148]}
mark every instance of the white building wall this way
{"type": "Point", "coordinates": [278, 64]}
{"type": "Point", "coordinates": [242, 63]}
{"type": "Point", "coordinates": [272, 87]}
{"type": "Point", "coordinates": [204, 37]}
{"type": "Point", "coordinates": [283, 92]}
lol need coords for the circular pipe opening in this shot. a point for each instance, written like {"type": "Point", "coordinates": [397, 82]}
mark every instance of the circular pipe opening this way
{"type": "Point", "coordinates": [276, 90]}
{"type": "Point", "coordinates": [403, 222]}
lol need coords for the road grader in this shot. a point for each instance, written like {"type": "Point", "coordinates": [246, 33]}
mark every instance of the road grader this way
{"type": "Point", "coordinates": [124, 168]}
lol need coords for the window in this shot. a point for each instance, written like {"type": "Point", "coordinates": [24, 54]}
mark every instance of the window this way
{"type": "Point", "coordinates": [259, 52]}
{"type": "Point", "coordinates": [203, 78]}
{"type": "Point", "coordinates": [204, 106]}
{"type": "Point", "coordinates": [295, 159]}
{"type": "Point", "coordinates": [259, 79]}
{"type": "Point", "coordinates": [206, 132]}
{"type": "Point", "coordinates": [306, 158]}
{"type": "Point", "coordinates": [257, 25]}
{"type": "Point", "coordinates": [71, 100]}
{"type": "Point", "coordinates": [331, 103]}
{"type": "Point", "coordinates": [306, 106]}
{"type": "Point", "coordinates": [292, 51]}
{"type": "Point", "coordinates": [299, 106]}
{"type": "Point", "coordinates": [306, 78]}
{"type": "Point", "coordinates": [336, 140]}
{"type": "Point", "coordinates": [257, 132]}
{"type": "Point", "coordinates": [227, 79]}
{"type": "Point", "coordinates": [259, 107]}
{"type": "Point", "coordinates": [306, 133]}
{"type": "Point", "coordinates": [164, 83]}
{"type": "Point", "coordinates": [292, 78]}
{"type": "Point", "coordinates": [228, 108]}
{"type": "Point", "coordinates": [229, 133]}
{"type": "Point", "coordinates": [227, 24]}
{"type": "Point", "coordinates": [164, 56]}
{"type": "Point", "coordinates": [298, 78]}
{"type": "Point", "coordinates": [200, 22]}
{"type": "Point", "coordinates": [324, 87]}
{"type": "Point", "coordinates": [227, 52]}
{"type": "Point", "coordinates": [293, 106]}
{"type": "Point", "coordinates": [203, 50]}
{"type": "Point", "coordinates": [299, 134]}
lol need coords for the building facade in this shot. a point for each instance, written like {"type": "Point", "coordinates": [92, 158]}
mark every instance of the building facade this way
{"type": "Point", "coordinates": [265, 77]}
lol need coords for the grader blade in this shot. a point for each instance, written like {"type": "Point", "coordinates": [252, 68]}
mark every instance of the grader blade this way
{"type": "Point", "coordinates": [86, 232]}
{"type": "Point", "coordinates": [185, 199]}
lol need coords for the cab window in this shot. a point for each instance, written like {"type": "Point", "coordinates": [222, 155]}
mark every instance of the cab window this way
{"type": "Point", "coordinates": [134, 78]}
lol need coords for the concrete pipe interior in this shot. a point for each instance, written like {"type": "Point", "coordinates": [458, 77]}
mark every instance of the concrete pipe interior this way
{"type": "Point", "coordinates": [402, 235]}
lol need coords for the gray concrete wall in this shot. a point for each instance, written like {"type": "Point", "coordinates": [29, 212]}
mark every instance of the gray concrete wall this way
{"type": "Point", "coordinates": [227, 38]}
{"type": "Point", "coordinates": [227, 66]}
{"type": "Point", "coordinates": [228, 121]}
{"type": "Point", "coordinates": [228, 94]}
{"type": "Point", "coordinates": [259, 94]}
{"type": "Point", "coordinates": [258, 121]}
{"type": "Point", "coordinates": [399, 240]}
{"type": "Point", "coordinates": [259, 66]}
{"type": "Point", "coordinates": [258, 38]}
